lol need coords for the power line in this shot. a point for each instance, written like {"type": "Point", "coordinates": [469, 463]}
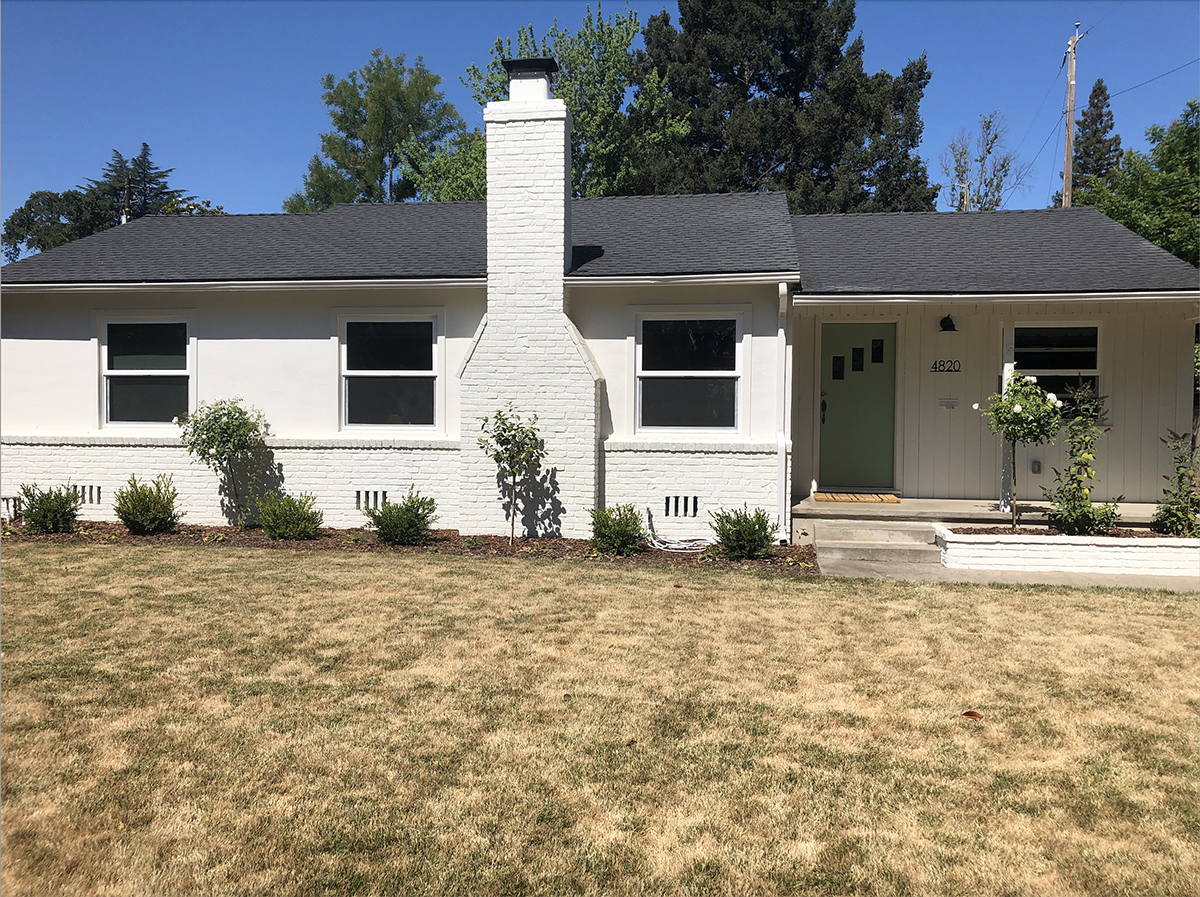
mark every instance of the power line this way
{"type": "Point", "coordinates": [1053, 131]}
{"type": "Point", "coordinates": [1050, 189]}
{"type": "Point", "coordinates": [1155, 78]}
{"type": "Point", "coordinates": [1041, 104]}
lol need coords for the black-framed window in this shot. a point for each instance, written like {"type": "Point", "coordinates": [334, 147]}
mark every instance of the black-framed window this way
{"type": "Point", "coordinates": [1061, 357]}
{"type": "Point", "coordinates": [146, 373]}
{"type": "Point", "coordinates": [688, 373]}
{"type": "Point", "coordinates": [389, 373]}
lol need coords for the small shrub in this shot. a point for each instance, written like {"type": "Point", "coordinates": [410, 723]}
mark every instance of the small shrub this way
{"type": "Point", "coordinates": [742, 535]}
{"type": "Point", "coordinates": [617, 530]}
{"type": "Point", "coordinates": [50, 511]}
{"type": "Point", "coordinates": [147, 509]}
{"type": "Point", "coordinates": [1177, 513]}
{"type": "Point", "coordinates": [407, 523]}
{"type": "Point", "coordinates": [290, 516]}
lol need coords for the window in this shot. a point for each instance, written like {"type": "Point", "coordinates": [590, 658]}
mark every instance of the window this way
{"type": "Point", "coordinates": [389, 373]}
{"type": "Point", "coordinates": [146, 372]}
{"type": "Point", "coordinates": [1062, 358]}
{"type": "Point", "coordinates": [688, 372]}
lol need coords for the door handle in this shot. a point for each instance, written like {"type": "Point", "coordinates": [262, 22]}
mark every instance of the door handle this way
{"type": "Point", "coordinates": [823, 407]}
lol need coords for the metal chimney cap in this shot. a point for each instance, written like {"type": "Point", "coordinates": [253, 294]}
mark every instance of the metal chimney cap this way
{"type": "Point", "coordinates": [536, 66]}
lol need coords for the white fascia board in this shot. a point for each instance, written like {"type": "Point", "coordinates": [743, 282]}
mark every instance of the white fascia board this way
{"type": "Point", "coordinates": [1190, 296]}
{"type": "Point", "coordinates": [684, 279]}
{"type": "Point", "coordinates": [246, 285]}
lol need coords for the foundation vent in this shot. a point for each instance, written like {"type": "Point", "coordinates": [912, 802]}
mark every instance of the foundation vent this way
{"type": "Point", "coordinates": [372, 499]}
{"type": "Point", "coordinates": [681, 506]}
{"type": "Point", "coordinates": [89, 494]}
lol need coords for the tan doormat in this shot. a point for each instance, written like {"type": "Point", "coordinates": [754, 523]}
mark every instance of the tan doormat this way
{"type": "Point", "coordinates": [876, 497]}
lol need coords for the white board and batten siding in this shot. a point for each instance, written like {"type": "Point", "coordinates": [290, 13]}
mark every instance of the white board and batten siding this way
{"type": "Point", "coordinates": [1145, 369]}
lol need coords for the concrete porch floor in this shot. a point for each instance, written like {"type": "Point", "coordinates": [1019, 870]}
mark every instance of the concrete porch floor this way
{"type": "Point", "coordinates": [981, 512]}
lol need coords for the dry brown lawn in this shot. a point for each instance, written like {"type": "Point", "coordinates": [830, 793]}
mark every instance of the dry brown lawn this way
{"type": "Point", "coordinates": [182, 720]}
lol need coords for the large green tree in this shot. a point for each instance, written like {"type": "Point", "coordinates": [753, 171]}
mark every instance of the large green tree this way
{"type": "Point", "coordinates": [389, 120]}
{"type": "Point", "coordinates": [1157, 194]}
{"type": "Point", "coordinates": [983, 172]}
{"type": "Point", "coordinates": [48, 219]}
{"type": "Point", "coordinates": [613, 134]}
{"type": "Point", "coordinates": [1097, 148]}
{"type": "Point", "coordinates": [774, 96]}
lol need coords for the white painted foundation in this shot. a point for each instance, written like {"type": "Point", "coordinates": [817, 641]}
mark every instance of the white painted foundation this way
{"type": "Point", "coordinates": [1069, 554]}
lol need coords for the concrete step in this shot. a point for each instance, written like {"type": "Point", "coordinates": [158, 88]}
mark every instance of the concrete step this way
{"type": "Point", "coordinates": [895, 552]}
{"type": "Point", "coordinates": [901, 532]}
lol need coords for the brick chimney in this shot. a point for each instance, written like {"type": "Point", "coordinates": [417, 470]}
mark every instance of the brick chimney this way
{"type": "Point", "coordinates": [529, 353]}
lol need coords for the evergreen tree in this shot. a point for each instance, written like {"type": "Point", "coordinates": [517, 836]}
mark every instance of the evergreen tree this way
{"type": "Point", "coordinates": [773, 96]}
{"type": "Point", "coordinates": [48, 219]}
{"type": "Point", "coordinates": [1096, 152]}
{"type": "Point", "coordinates": [389, 120]}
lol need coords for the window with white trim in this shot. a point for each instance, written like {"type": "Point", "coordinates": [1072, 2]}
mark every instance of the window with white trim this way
{"type": "Point", "coordinates": [389, 372]}
{"type": "Point", "coordinates": [146, 371]}
{"type": "Point", "coordinates": [1061, 357]}
{"type": "Point", "coordinates": [688, 372]}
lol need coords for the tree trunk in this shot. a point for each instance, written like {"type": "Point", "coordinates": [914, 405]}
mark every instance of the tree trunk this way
{"type": "Point", "coordinates": [1014, 484]}
{"type": "Point", "coordinates": [512, 511]}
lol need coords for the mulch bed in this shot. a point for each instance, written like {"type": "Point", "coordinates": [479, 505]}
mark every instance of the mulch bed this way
{"type": "Point", "coordinates": [797, 560]}
{"type": "Point", "coordinates": [1050, 531]}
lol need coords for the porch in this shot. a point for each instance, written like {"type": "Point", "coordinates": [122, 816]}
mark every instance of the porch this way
{"type": "Point", "coordinates": [895, 540]}
{"type": "Point", "coordinates": [976, 512]}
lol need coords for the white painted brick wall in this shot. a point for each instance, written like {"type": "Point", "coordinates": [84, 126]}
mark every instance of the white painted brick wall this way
{"type": "Point", "coordinates": [527, 354]}
{"type": "Point", "coordinates": [330, 471]}
{"type": "Point", "coordinates": [644, 477]}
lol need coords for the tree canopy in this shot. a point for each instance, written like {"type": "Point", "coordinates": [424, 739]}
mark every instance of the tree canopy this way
{"type": "Point", "coordinates": [1157, 194]}
{"type": "Point", "coordinates": [389, 121]}
{"type": "Point", "coordinates": [611, 133]}
{"type": "Point", "coordinates": [48, 219]}
{"type": "Point", "coordinates": [774, 96]}
{"type": "Point", "coordinates": [983, 173]}
{"type": "Point", "coordinates": [1097, 149]}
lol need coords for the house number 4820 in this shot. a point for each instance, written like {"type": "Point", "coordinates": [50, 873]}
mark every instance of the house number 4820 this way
{"type": "Point", "coordinates": [945, 366]}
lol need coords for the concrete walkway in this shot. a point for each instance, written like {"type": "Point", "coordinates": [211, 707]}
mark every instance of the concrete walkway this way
{"type": "Point", "coordinates": [938, 573]}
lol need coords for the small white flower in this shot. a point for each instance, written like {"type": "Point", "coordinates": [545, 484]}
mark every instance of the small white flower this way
{"type": "Point", "coordinates": [1058, 404]}
{"type": "Point", "coordinates": [976, 406]}
{"type": "Point", "coordinates": [1016, 409]}
{"type": "Point", "coordinates": [1051, 398]}
{"type": "Point", "coordinates": [1031, 379]}
{"type": "Point", "coordinates": [175, 421]}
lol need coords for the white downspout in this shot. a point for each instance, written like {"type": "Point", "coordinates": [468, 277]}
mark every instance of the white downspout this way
{"type": "Point", "coordinates": [781, 417]}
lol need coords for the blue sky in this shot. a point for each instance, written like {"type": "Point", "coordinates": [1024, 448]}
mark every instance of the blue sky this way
{"type": "Point", "coordinates": [228, 93]}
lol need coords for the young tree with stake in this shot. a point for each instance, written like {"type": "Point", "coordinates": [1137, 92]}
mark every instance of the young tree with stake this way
{"type": "Point", "coordinates": [517, 450]}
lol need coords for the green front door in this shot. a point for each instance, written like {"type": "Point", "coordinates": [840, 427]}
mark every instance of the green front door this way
{"type": "Point", "coordinates": [858, 406]}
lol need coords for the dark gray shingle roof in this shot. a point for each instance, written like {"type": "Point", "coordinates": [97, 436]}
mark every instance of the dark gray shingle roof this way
{"type": "Point", "coordinates": [1073, 250]}
{"type": "Point", "coordinates": [720, 233]}
{"type": "Point", "coordinates": [622, 236]}
{"type": "Point", "coordinates": [347, 242]}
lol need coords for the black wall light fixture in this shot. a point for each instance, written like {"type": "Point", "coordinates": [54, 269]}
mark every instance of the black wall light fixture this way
{"type": "Point", "coordinates": [948, 325]}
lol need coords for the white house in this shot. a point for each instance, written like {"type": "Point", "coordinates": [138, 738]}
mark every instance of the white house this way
{"type": "Point", "coordinates": [683, 353]}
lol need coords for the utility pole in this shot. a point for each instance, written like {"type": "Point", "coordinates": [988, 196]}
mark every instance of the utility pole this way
{"type": "Point", "coordinates": [1069, 144]}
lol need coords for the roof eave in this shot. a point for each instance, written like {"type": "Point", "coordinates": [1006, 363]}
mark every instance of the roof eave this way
{"type": "Point", "coordinates": [639, 280]}
{"type": "Point", "coordinates": [244, 285]}
{"type": "Point", "coordinates": [803, 299]}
